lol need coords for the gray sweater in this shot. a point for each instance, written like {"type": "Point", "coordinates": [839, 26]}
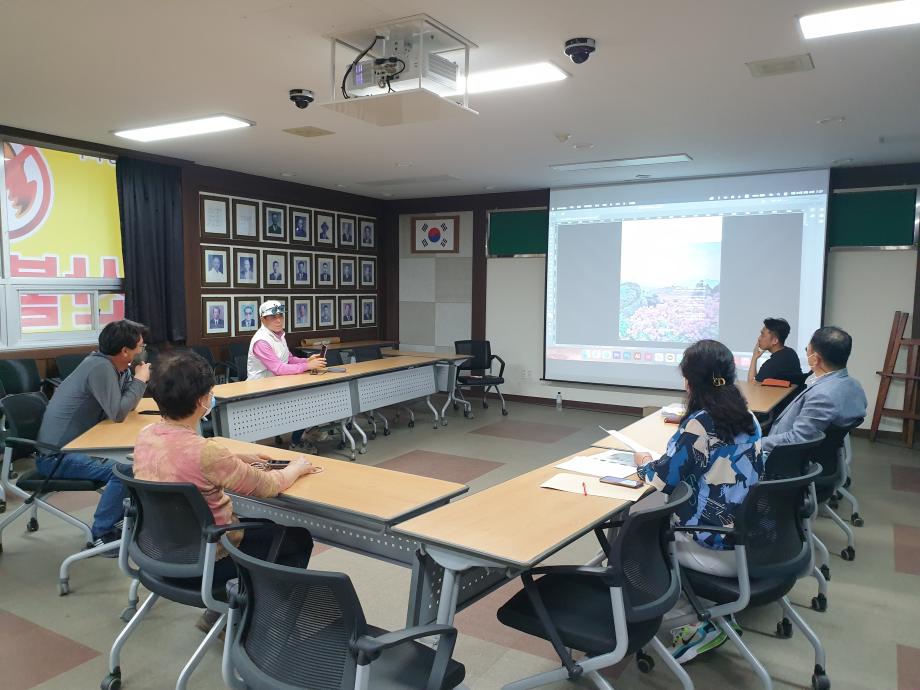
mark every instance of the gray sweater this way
{"type": "Point", "coordinates": [93, 392]}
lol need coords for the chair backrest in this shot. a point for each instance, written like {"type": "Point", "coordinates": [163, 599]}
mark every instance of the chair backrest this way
{"type": "Point", "coordinates": [334, 358]}
{"type": "Point", "coordinates": [241, 364]}
{"type": "Point", "coordinates": [791, 460]}
{"type": "Point", "coordinates": [828, 453]}
{"type": "Point", "coordinates": [238, 350]}
{"type": "Point", "coordinates": [23, 413]}
{"type": "Point", "coordinates": [295, 626]}
{"type": "Point", "coordinates": [167, 539]}
{"type": "Point", "coordinates": [640, 552]}
{"type": "Point", "coordinates": [770, 523]}
{"type": "Point", "coordinates": [19, 376]}
{"type": "Point", "coordinates": [205, 352]}
{"type": "Point", "coordinates": [367, 353]}
{"type": "Point", "coordinates": [67, 363]}
{"type": "Point", "coordinates": [480, 352]}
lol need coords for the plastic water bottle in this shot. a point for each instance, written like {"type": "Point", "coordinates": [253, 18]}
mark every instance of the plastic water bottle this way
{"type": "Point", "coordinates": [558, 401]}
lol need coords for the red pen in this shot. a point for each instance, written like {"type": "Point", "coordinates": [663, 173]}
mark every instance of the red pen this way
{"type": "Point", "coordinates": [584, 487]}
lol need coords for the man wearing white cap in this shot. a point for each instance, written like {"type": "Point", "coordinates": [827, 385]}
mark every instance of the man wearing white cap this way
{"type": "Point", "coordinates": [269, 354]}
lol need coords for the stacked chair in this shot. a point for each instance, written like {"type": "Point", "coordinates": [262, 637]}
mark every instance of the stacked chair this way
{"type": "Point", "coordinates": [481, 359]}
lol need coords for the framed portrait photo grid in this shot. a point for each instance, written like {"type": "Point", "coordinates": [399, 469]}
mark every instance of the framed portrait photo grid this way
{"type": "Point", "coordinates": [322, 263]}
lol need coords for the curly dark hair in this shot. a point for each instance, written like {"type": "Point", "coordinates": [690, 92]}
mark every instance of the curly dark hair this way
{"type": "Point", "coordinates": [179, 379]}
{"type": "Point", "coordinates": [709, 368]}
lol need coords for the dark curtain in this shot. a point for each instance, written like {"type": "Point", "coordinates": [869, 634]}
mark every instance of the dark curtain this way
{"type": "Point", "coordinates": [150, 206]}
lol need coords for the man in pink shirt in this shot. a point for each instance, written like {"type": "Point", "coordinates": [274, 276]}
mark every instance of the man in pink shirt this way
{"type": "Point", "coordinates": [269, 354]}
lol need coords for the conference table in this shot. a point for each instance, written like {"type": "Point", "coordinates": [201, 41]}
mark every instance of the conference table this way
{"type": "Point", "coordinates": [449, 363]}
{"type": "Point", "coordinates": [115, 440]}
{"type": "Point", "coordinates": [262, 408]}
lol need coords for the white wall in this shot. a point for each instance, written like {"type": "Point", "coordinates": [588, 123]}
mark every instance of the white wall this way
{"type": "Point", "coordinates": [864, 289]}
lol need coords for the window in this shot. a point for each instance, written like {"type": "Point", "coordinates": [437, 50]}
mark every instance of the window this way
{"type": "Point", "coordinates": [62, 272]}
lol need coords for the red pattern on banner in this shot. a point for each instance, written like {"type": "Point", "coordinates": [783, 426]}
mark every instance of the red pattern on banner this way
{"type": "Point", "coordinates": [117, 313]}
{"type": "Point", "coordinates": [79, 267]}
{"type": "Point", "coordinates": [40, 311]}
{"type": "Point", "coordinates": [27, 267]}
{"type": "Point", "coordinates": [109, 267]}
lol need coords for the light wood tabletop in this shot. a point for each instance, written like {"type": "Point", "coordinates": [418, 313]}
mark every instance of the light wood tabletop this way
{"type": "Point", "coordinates": [516, 522]}
{"type": "Point", "coordinates": [440, 356]}
{"type": "Point", "coordinates": [116, 435]}
{"type": "Point", "coordinates": [272, 384]}
{"type": "Point", "coordinates": [651, 431]}
{"type": "Point", "coordinates": [762, 399]}
{"type": "Point", "coordinates": [348, 345]}
{"type": "Point", "coordinates": [381, 494]}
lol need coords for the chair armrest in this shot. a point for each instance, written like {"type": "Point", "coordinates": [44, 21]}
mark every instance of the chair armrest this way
{"type": "Point", "coordinates": [45, 448]}
{"type": "Point", "coordinates": [729, 532]}
{"type": "Point", "coordinates": [501, 371]}
{"type": "Point", "coordinates": [371, 648]}
{"type": "Point", "coordinates": [611, 575]}
{"type": "Point", "coordinates": [213, 533]}
{"type": "Point", "coordinates": [54, 381]}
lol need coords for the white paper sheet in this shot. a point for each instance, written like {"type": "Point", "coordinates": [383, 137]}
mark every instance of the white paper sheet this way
{"type": "Point", "coordinates": [632, 445]}
{"type": "Point", "coordinates": [613, 463]}
{"type": "Point", "coordinates": [579, 484]}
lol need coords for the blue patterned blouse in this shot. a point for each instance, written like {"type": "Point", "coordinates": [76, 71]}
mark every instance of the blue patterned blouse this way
{"type": "Point", "coordinates": [718, 473]}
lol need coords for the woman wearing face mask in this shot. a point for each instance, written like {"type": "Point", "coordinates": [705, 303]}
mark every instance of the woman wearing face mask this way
{"type": "Point", "coordinates": [172, 450]}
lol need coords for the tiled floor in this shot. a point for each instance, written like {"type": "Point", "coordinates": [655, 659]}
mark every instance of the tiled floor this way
{"type": "Point", "coordinates": [871, 628]}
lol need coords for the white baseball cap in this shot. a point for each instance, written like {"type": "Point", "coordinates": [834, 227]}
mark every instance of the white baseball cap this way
{"type": "Point", "coordinates": [271, 307]}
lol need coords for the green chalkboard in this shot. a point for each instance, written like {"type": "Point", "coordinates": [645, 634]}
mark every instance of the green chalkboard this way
{"type": "Point", "coordinates": [518, 232]}
{"type": "Point", "coordinates": [872, 219]}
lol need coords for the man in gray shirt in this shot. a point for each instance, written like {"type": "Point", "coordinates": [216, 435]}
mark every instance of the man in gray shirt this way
{"type": "Point", "coordinates": [102, 387]}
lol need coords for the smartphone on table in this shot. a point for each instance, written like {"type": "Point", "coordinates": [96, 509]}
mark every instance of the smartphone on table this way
{"type": "Point", "coordinates": [618, 481]}
{"type": "Point", "coordinates": [277, 464]}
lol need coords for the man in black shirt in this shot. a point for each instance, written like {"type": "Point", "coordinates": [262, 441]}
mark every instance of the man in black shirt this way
{"type": "Point", "coordinates": [783, 363]}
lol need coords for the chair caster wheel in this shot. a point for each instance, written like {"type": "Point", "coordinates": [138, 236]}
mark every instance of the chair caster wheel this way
{"type": "Point", "coordinates": [819, 680]}
{"type": "Point", "coordinates": [468, 414]}
{"type": "Point", "coordinates": [856, 520]}
{"type": "Point", "coordinates": [128, 613]}
{"type": "Point", "coordinates": [111, 681]}
{"type": "Point", "coordinates": [353, 456]}
{"type": "Point", "coordinates": [784, 629]}
{"type": "Point", "coordinates": [411, 423]}
{"type": "Point", "coordinates": [826, 571]}
{"type": "Point", "coordinates": [373, 434]}
{"type": "Point", "coordinates": [2, 506]}
{"type": "Point", "coordinates": [32, 525]}
{"type": "Point", "coordinates": [386, 432]}
{"type": "Point", "coordinates": [64, 588]}
{"type": "Point", "coordinates": [504, 413]}
{"type": "Point", "coordinates": [362, 450]}
{"type": "Point", "coordinates": [342, 445]}
{"type": "Point", "coordinates": [485, 406]}
{"type": "Point", "coordinates": [644, 662]}
{"type": "Point", "coordinates": [819, 603]}
{"type": "Point", "coordinates": [848, 554]}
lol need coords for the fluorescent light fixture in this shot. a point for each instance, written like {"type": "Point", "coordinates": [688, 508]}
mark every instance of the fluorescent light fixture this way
{"type": "Point", "coordinates": [513, 77]}
{"type": "Point", "coordinates": [186, 128]}
{"type": "Point", "coordinates": [882, 15]}
{"type": "Point", "coordinates": [623, 162]}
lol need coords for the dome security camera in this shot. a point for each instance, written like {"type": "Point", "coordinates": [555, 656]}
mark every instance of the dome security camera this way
{"type": "Point", "coordinates": [579, 49]}
{"type": "Point", "coordinates": [301, 97]}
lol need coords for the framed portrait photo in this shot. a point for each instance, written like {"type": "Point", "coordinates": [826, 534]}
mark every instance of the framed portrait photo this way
{"type": "Point", "coordinates": [325, 228]}
{"type": "Point", "coordinates": [246, 310]}
{"type": "Point", "coordinates": [346, 231]}
{"type": "Point", "coordinates": [274, 269]}
{"type": "Point", "coordinates": [214, 216]}
{"type": "Point", "coordinates": [215, 268]}
{"type": "Point", "coordinates": [301, 270]}
{"type": "Point", "coordinates": [348, 308]}
{"type": "Point", "coordinates": [325, 313]}
{"type": "Point", "coordinates": [367, 236]}
{"type": "Point", "coordinates": [325, 270]}
{"type": "Point", "coordinates": [273, 228]}
{"type": "Point", "coordinates": [215, 313]}
{"type": "Point", "coordinates": [368, 313]}
{"type": "Point", "coordinates": [367, 272]}
{"type": "Point", "coordinates": [301, 224]}
{"type": "Point", "coordinates": [245, 267]}
{"type": "Point", "coordinates": [302, 314]}
{"type": "Point", "coordinates": [346, 272]}
{"type": "Point", "coordinates": [245, 219]}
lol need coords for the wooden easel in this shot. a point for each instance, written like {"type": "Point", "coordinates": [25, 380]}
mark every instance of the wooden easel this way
{"type": "Point", "coordinates": [911, 377]}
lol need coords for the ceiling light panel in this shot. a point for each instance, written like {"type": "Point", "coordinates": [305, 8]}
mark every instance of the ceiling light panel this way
{"type": "Point", "coordinates": [186, 128]}
{"type": "Point", "coordinates": [622, 162]}
{"type": "Point", "coordinates": [883, 15]}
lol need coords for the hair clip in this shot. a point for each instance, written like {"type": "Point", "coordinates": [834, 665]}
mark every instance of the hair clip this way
{"type": "Point", "coordinates": [718, 381]}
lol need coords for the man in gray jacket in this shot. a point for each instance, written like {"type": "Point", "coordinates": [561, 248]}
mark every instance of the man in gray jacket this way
{"type": "Point", "coordinates": [102, 387]}
{"type": "Point", "coordinates": [831, 396]}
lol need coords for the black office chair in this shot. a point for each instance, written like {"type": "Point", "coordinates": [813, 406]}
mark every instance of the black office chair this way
{"type": "Point", "coordinates": [21, 376]}
{"type": "Point", "coordinates": [170, 535]}
{"type": "Point", "coordinates": [290, 628]}
{"type": "Point", "coordinates": [607, 612]}
{"type": "Point", "coordinates": [772, 551]}
{"type": "Point", "coordinates": [367, 353]}
{"type": "Point", "coordinates": [833, 475]}
{"type": "Point", "coordinates": [481, 358]}
{"type": "Point", "coordinates": [239, 359]}
{"type": "Point", "coordinates": [65, 366]}
{"type": "Point", "coordinates": [23, 413]}
{"type": "Point", "coordinates": [221, 369]}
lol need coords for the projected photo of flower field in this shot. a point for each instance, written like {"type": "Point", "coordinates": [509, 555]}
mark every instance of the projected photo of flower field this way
{"type": "Point", "coordinates": [669, 279]}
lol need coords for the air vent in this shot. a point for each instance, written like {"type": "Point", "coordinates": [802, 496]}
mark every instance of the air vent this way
{"type": "Point", "coordinates": [783, 65]}
{"type": "Point", "coordinates": [899, 139]}
{"type": "Point", "coordinates": [409, 180]}
{"type": "Point", "coordinates": [308, 132]}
